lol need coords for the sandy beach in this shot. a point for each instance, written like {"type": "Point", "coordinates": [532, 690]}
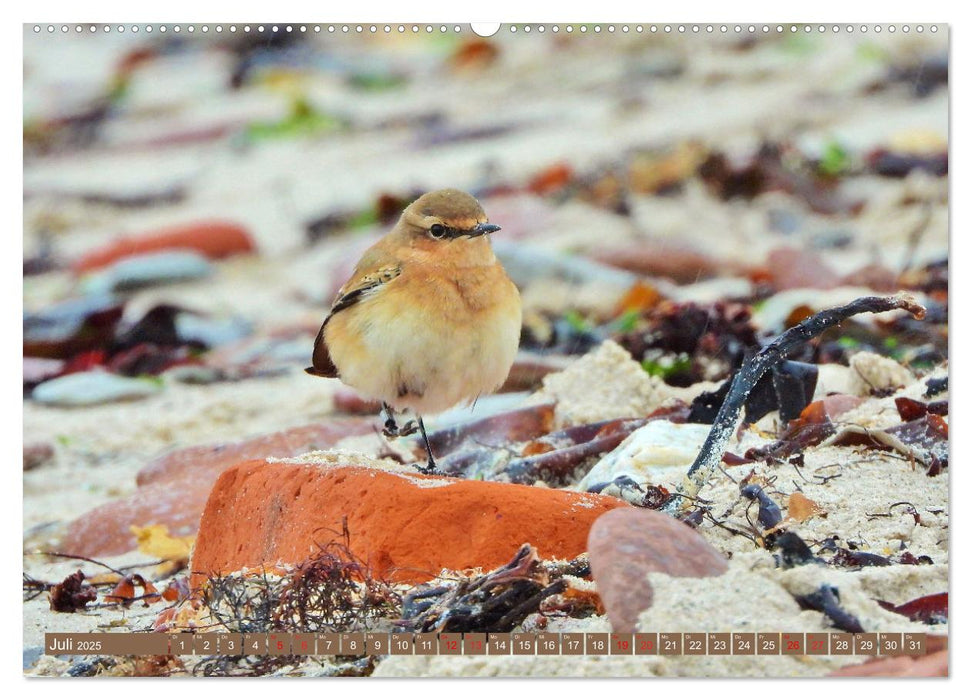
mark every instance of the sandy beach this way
{"type": "Point", "coordinates": [722, 173]}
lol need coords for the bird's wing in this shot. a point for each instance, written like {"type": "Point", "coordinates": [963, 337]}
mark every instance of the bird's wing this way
{"type": "Point", "coordinates": [356, 289]}
{"type": "Point", "coordinates": [361, 285]}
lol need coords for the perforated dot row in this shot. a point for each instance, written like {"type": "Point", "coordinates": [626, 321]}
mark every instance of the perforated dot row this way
{"type": "Point", "coordinates": [248, 28]}
{"type": "Point", "coordinates": [527, 29]}
{"type": "Point", "coordinates": [723, 28]}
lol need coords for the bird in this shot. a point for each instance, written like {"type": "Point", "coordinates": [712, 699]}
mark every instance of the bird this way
{"type": "Point", "coordinates": [428, 320]}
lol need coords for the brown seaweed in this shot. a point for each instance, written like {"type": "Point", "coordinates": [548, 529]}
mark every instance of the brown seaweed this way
{"type": "Point", "coordinates": [555, 467]}
{"type": "Point", "coordinates": [709, 458]}
{"type": "Point", "coordinates": [929, 609]}
{"type": "Point", "coordinates": [494, 602]}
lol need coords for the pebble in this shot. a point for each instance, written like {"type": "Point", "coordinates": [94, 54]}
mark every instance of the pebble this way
{"type": "Point", "coordinates": [674, 260]}
{"type": "Point", "coordinates": [626, 545]}
{"type": "Point", "coordinates": [835, 379]}
{"type": "Point", "coordinates": [65, 329]}
{"type": "Point", "coordinates": [106, 530]}
{"type": "Point", "coordinates": [524, 261]}
{"type": "Point", "coordinates": [92, 388]}
{"type": "Point", "coordinates": [146, 270]}
{"type": "Point", "coordinates": [211, 332]}
{"type": "Point", "coordinates": [37, 454]}
{"type": "Point", "coordinates": [38, 369]}
{"type": "Point", "coordinates": [791, 268]}
{"type": "Point", "coordinates": [876, 277]}
{"type": "Point", "coordinates": [658, 453]}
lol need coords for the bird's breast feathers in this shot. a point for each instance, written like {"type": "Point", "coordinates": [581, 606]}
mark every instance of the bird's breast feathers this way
{"type": "Point", "coordinates": [428, 341]}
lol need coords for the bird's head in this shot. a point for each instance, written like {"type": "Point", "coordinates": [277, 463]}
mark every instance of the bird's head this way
{"type": "Point", "coordinates": [446, 220]}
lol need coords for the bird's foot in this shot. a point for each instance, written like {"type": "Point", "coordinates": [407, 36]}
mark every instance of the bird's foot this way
{"type": "Point", "coordinates": [430, 469]}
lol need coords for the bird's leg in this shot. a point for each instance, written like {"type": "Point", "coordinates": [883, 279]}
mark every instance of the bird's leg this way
{"type": "Point", "coordinates": [431, 467]}
{"type": "Point", "coordinates": [391, 429]}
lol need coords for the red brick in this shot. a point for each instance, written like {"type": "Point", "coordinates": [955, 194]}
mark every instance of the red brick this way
{"type": "Point", "coordinates": [173, 489]}
{"type": "Point", "coordinates": [106, 530]}
{"type": "Point", "coordinates": [214, 239]}
{"type": "Point", "coordinates": [209, 460]}
{"type": "Point", "coordinates": [346, 400]}
{"type": "Point", "coordinates": [405, 527]}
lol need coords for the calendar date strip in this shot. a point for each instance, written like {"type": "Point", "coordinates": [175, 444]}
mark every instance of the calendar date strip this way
{"type": "Point", "coordinates": [491, 644]}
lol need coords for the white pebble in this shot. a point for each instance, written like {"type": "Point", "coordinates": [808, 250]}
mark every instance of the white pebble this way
{"type": "Point", "coordinates": [94, 387]}
{"type": "Point", "coordinates": [658, 453]}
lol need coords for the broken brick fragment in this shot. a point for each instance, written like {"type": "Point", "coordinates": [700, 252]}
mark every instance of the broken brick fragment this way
{"type": "Point", "coordinates": [210, 460]}
{"type": "Point", "coordinates": [214, 239]}
{"type": "Point", "coordinates": [106, 530]}
{"type": "Point", "coordinates": [404, 526]}
{"type": "Point", "coordinates": [173, 489]}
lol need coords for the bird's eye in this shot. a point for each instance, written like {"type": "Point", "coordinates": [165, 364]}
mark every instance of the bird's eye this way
{"type": "Point", "coordinates": [437, 231]}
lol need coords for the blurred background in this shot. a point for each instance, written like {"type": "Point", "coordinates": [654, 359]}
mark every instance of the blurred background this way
{"type": "Point", "coordinates": [193, 200]}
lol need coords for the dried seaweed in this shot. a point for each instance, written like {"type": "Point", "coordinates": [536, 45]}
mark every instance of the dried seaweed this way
{"type": "Point", "coordinates": [852, 559]}
{"type": "Point", "coordinates": [924, 440]}
{"type": "Point", "coordinates": [793, 551]}
{"type": "Point", "coordinates": [773, 168]}
{"type": "Point", "coordinates": [124, 592]}
{"type": "Point", "coordinates": [260, 666]}
{"type": "Point", "coordinates": [625, 488]}
{"type": "Point", "coordinates": [787, 388]}
{"type": "Point", "coordinates": [72, 594]}
{"type": "Point", "coordinates": [721, 333]}
{"type": "Point", "coordinates": [72, 327]}
{"type": "Point", "coordinates": [522, 449]}
{"type": "Point", "coordinates": [93, 667]}
{"type": "Point", "coordinates": [157, 666]}
{"type": "Point", "coordinates": [826, 599]}
{"type": "Point", "coordinates": [34, 587]}
{"type": "Point", "coordinates": [331, 591]}
{"type": "Point", "coordinates": [494, 602]}
{"type": "Point", "coordinates": [555, 467]}
{"type": "Point", "coordinates": [929, 609]}
{"type": "Point", "coordinates": [770, 515]}
{"type": "Point", "coordinates": [755, 368]}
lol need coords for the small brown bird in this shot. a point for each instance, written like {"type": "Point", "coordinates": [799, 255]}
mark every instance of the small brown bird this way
{"type": "Point", "coordinates": [429, 318]}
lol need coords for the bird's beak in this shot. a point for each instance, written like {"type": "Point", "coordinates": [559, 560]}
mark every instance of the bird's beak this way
{"type": "Point", "coordinates": [483, 229]}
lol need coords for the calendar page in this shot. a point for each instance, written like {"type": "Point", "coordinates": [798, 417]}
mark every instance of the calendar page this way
{"type": "Point", "coordinates": [433, 349]}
